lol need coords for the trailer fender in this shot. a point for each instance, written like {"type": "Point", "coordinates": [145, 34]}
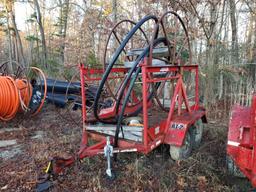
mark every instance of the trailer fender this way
{"type": "Point", "coordinates": [176, 133]}
{"type": "Point", "coordinates": [179, 126]}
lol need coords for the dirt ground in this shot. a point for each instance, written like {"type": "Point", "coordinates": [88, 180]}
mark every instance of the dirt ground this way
{"type": "Point", "coordinates": [36, 139]}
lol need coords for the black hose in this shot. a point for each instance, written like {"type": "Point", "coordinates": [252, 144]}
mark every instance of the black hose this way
{"type": "Point", "coordinates": [114, 59]}
{"type": "Point", "coordinates": [132, 69]}
{"type": "Point", "coordinates": [138, 70]}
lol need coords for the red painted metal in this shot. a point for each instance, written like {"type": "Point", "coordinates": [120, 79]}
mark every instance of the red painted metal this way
{"type": "Point", "coordinates": [145, 106]}
{"type": "Point", "coordinates": [161, 133]}
{"type": "Point", "coordinates": [84, 137]}
{"type": "Point", "coordinates": [197, 89]}
{"type": "Point", "coordinates": [241, 143]}
{"type": "Point", "coordinates": [177, 136]}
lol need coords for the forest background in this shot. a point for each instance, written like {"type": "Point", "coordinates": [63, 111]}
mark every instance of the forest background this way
{"type": "Point", "coordinates": [58, 33]}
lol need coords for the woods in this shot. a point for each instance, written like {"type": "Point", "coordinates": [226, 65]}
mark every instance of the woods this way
{"type": "Point", "coordinates": [127, 95]}
{"type": "Point", "coordinates": [59, 33]}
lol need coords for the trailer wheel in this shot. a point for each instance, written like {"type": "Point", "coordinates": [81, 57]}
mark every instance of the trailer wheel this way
{"type": "Point", "coordinates": [184, 151]}
{"type": "Point", "coordinates": [232, 168]}
{"type": "Point", "coordinates": [197, 133]}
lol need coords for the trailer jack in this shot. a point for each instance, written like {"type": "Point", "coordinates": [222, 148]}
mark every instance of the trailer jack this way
{"type": "Point", "coordinates": [108, 153]}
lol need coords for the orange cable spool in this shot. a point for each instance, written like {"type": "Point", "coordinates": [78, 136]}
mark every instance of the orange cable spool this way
{"type": "Point", "coordinates": [25, 91]}
{"type": "Point", "coordinates": [15, 96]}
{"type": "Point", "coordinates": [9, 98]}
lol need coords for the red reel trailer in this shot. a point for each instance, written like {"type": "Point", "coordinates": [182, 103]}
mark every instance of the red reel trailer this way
{"type": "Point", "coordinates": [242, 140]}
{"type": "Point", "coordinates": [152, 97]}
{"type": "Point", "coordinates": [180, 129]}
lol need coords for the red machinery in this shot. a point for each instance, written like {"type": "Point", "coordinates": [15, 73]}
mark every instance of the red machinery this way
{"type": "Point", "coordinates": [141, 116]}
{"type": "Point", "coordinates": [174, 130]}
{"type": "Point", "coordinates": [242, 140]}
{"type": "Point", "coordinates": [171, 130]}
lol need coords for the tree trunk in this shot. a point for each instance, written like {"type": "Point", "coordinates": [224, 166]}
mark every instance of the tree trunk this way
{"type": "Point", "coordinates": [19, 45]}
{"type": "Point", "coordinates": [9, 9]}
{"type": "Point", "coordinates": [210, 54]}
{"type": "Point", "coordinates": [65, 24]}
{"type": "Point", "coordinates": [9, 39]}
{"type": "Point", "coordinates": [221, 85]}
{"type": "Point", "coordinates": [114, 8]}
{"type": "Point", "coordinates": [249, 37]}
{"type": "Point", "coordinates": [41, 29]}
{"type": "Point", "coordinates": [235, 57]}
{"type": "Point", "coordinates": [64, 11]}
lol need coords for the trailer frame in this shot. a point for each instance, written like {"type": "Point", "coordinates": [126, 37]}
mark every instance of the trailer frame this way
{"type": "Point", "coordinates": [170, 131]}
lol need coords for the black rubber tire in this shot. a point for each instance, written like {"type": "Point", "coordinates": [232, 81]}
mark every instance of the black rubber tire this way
{"type": "Point", "coordinates": [184, 151]}
{"type": "Point", "coordinates": [197, 133]}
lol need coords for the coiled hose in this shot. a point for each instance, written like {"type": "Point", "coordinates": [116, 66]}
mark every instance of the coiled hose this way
{"type": "Point", "coordinates": [15, 96]}
{"type": "Point", "coordinates": [131, 85]}
{"type": "Point", "coordinates": [113, 61]}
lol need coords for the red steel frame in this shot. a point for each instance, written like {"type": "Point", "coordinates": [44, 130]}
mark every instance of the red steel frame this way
{"type": "Point", "coordinates": [152, 136]}
{"type": "Point", "coordinates": [241, 146]}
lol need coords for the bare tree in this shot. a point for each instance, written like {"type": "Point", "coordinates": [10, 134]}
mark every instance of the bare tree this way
{"type": "Point", "coordinates": [9, 5]}
{"type": "Point", "coordinates": [41, 29]}
{"type": "Point", "coordinates": [232, 6]}
{"type": "Point", "coordinates": [63, 22]}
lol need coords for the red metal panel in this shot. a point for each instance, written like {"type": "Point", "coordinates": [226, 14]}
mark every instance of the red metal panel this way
{"type": "Point", "coordinates": [240, 118]}
{"type": "Point", "coordinates": [244, 158]}
{"type": "Point", "coordinates": [179, 126]}
{"type": "Point", "coordinates": [253, 138]}
{"type": "Point", "coordinates": [174, 136]}
{"type": "Point", "coordinates": [242, 141]}
{"type": "Point", "coordinates": [239, 121]}
{"type": "Point", "coordinates": [157, 130]}
{"type": "Point", "coordinates": [171, 68]}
